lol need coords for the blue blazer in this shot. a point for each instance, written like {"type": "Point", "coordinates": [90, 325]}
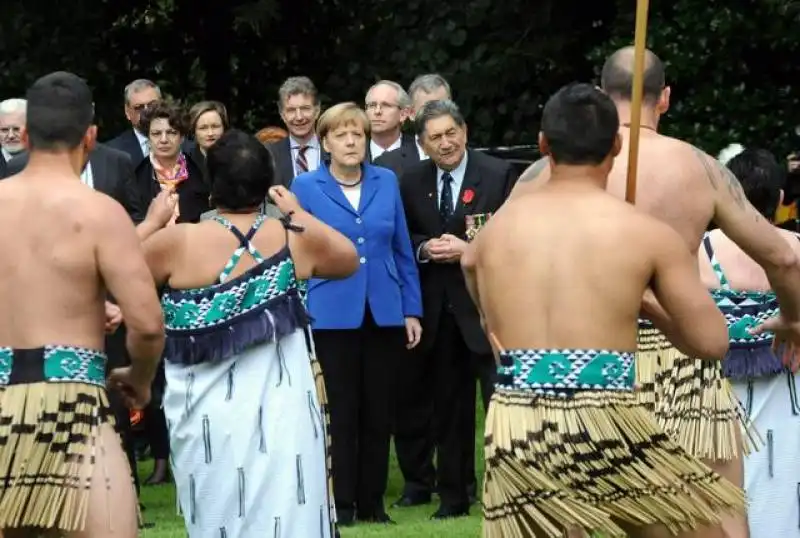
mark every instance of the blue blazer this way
{"type": "Point", "coordinates": [387, 278]}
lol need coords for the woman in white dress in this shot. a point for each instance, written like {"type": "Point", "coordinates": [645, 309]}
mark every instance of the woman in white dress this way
{"type": "Point", "coordinates": [766, 389]}
{"type": "Point", "coordinates": [244, 399]}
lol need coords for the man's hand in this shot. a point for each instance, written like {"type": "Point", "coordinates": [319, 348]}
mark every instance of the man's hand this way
{"type": "Point", "coordinates": [787, 339]}
{"type": "Point", "coordinates": [446, 249]}
{"type": "Point", "coordinates": [134, 389]}
{"type": "Point", "coordinates": [413, 332]}
{"type": "Point", "coordinates": [113, 317]}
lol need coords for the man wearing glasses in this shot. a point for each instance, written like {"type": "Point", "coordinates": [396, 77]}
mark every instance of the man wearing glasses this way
{"type": "Point", "coordinates": [12, 121]}
{"type": "Point", "coordinates": [140, 95]}
{"type": "Point", "coordinates": [388, 105]}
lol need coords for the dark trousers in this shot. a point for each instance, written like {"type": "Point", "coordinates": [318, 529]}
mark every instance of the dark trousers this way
{"type": "Point", "coordinates": [436, 408]}
{"type": "Point", "coordinates": [155, 422]}
{"type": "Point", "coordinates": [122, 418]}
{"type": "Point", "coordinates": [358, 366]}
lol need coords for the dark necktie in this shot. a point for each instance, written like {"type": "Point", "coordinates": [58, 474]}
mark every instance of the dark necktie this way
{"type": "Point", "coordinates": [446, 199]}
{"type": "Point", "coordinates": [302, 163]}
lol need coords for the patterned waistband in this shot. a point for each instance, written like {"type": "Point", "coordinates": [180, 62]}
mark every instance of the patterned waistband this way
{"type": "Point", "coordinates": [558, 372]}
{"type": "Point", "coordinates": [52, 364]}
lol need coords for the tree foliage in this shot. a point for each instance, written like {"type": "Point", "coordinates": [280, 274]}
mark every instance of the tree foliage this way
{"type": "Point", "coordinates": [730, 64]}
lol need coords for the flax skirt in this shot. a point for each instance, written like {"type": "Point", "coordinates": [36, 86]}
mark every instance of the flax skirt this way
{"type": "Point", "coordinates": [49, 435]}
{"type": "Point", "coordinates": [691, 400]}
{"type": "Point", "coordinates": [588, 461]}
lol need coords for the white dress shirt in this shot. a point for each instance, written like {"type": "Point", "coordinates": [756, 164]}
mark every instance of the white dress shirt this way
{"type": "Point", "coordinates": [376, 151]}
{"type": "Point", "coordinates": [87, 177]}
{"type": "Point", "coordinates": [144, 143]}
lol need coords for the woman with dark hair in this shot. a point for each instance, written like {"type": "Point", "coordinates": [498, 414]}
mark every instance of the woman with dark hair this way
{"type": "Point", "coordinates": [168, 166]}
{"type": "Point", "coordinates": [759, 380]}
{"type": "Point", "coordinates": [244, 398]}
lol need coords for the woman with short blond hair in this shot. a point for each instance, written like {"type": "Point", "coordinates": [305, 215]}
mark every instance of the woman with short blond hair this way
{"type": "Point", "coordinates": [363, 325]}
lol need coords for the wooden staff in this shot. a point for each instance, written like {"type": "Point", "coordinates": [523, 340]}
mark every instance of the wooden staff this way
{"type": "Point", "coordinates": [639, 46]}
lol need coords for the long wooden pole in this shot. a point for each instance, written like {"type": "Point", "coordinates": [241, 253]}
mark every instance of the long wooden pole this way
{"type": "Point", "coordinates": [639, 45]}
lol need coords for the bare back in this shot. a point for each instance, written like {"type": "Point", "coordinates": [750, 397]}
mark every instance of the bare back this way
{"type": "Point", "coordinates": [741, 271]}
{"type": "Point", "coordinates": [50, 285]}
{"type": "Point", "coordinates": [555, 281]}
{"type": "Point", "coordinates": [203, 249]}
{"type": "Point", "coordinates": [672, 185]}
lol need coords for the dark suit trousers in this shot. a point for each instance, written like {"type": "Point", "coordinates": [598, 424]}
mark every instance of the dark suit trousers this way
{"type": "Point", "coordinates": [431, 385]}
{"type": "Point", "coordinates": [358, 366]}
{"type": "Point", "coordinates": [155, 423]}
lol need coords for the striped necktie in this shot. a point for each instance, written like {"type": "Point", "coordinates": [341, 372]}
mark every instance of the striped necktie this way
{"type": "Point", "coordinates": [301, 162]}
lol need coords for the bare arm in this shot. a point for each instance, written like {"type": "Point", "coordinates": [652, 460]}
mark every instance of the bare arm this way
{"type": "Point", "coordinates": [469, 266]}
{"type": "Point", "coordinates": [160, 249]}
{"type": "Point", "coordinates": [754, 235]}
{"type": "Point", "coordinates": [531, 179]}
{"type": "Point", "coordinates": [123, 269]}
{"type": "Point", "coordinates": [693, 321]}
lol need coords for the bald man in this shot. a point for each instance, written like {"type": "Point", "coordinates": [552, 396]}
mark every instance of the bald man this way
{"type": "Point", "coordinates": [686, 188]}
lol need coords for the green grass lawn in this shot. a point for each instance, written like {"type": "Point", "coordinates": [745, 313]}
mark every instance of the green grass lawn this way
{"type": "Point", "coordinates": [160, 508]}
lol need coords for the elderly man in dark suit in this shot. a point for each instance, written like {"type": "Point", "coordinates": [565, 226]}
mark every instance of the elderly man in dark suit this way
{"type": "Point", "coordinates": [425, 88]}
{"type": "Point", "coordinates": [438, 195]}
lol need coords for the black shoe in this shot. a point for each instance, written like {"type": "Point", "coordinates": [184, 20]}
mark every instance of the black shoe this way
{"type": "Point", "coordinates": [376, 517]}
{"type": "Point", "coordinates": [451, 511]}
{"type": "Point", "coordinates": [417, 499]}
{"type": "Point", "coordinates": [345, 517]}
{"type": "Point", "coordinates": [147, 525]}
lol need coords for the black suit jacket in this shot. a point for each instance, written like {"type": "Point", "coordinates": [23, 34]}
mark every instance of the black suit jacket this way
{"type": "Point", "coordinates": [3, 166]}
{"type": "Point", "coordinates": [284, 164]}
{"type": "Point", "coordinates": [443, 285]}
{"type": "Point", "coordinates": [112, 174]}
{"type": "Point", "coordinates": [192, 192]}
{"type": "Point", "coordinates": [399, 159]}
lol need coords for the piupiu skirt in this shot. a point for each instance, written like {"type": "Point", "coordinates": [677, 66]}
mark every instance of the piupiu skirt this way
{"type": "Point", "coordinates": [53, 402]}
{"type": "Point", "coordinates": [690, 398]}
{"type": "Point", "coordinates": [570, 446]}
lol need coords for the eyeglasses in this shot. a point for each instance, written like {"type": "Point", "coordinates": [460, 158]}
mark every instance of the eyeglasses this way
{"type": "Point", "coordinates": [13, 130]}
{"type": "Point", "coordinates": [144, 106]}
{"type": "Point", "coordinates": [373, 105]}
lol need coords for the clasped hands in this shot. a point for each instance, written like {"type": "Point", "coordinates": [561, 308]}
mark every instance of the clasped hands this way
{"type": "Point", "coordinates": [446, 248]}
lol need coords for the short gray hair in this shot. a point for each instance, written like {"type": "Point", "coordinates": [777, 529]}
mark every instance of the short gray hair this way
{"type": "Point", "coordinates": [436, 109]}
{"type": "Point", "coordinates": [428, 84]}
{"type": "Point", "coordinates": [11, 106]}
{"type": "Point", "coordinates": [296, 86]}
{"type": "Point", "coordinates": [403, 100]}
{"type": "Point", "coordinates": [138, 85]}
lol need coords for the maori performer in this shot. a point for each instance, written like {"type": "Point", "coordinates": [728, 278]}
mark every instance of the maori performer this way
{"type": "Point", "coordinates": [245, 400]}
{"type": "Point", "coordinates": [569, 448]}
{"type": "Point", "coordinates": [65, 247]}
{"type": "Point", "coordinates": [764, 385]}
{"type": "Point", "coordinates": [687, 189]}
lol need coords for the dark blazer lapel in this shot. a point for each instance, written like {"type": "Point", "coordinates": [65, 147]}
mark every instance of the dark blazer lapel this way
{"type": "Point", "coordinates": [332, 189]}
{"type": "Point", "coordinates": [429, 202]}
{"type": "Point", "coordinates": [286, 165]}
{"type": "Point", "coordinates": [369, 187]}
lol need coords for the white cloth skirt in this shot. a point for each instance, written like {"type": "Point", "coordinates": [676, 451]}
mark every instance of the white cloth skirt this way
{"type": "Point", "coordinates": [772, 475]}
{"type": "Point", "coordinates": [247, 440]}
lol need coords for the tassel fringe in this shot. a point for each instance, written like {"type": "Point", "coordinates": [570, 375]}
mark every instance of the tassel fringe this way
{"type": "Point", "coordinates": [560, 464]}
{"type": "Point", "coordinates": [691, 400]}
{"type": "Point", "coordinates": [49, 440]}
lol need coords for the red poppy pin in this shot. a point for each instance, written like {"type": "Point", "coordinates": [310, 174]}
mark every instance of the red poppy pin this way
{"type": "Point", "coordinates": [468, 196]}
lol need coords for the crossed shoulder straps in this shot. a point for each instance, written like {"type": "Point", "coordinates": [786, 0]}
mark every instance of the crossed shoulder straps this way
{"type": "Point", "coordinates": [715, 265]}
{"type": "Point", "coordinates": [244, 244]}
